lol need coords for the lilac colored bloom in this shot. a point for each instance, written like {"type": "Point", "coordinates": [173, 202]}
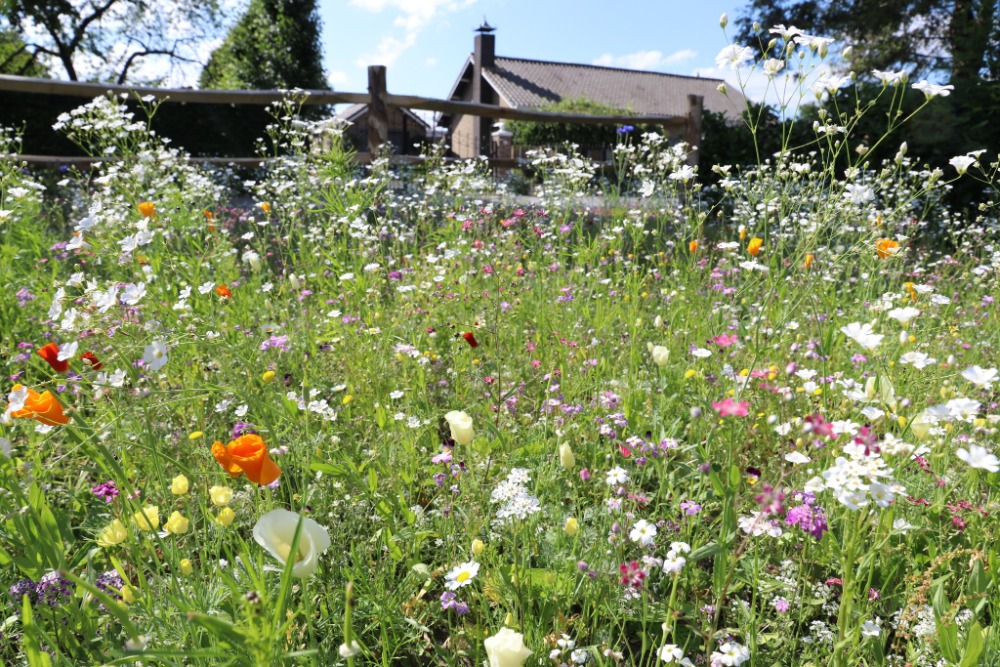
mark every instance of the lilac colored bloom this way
{"type": "Point", "coordinates": [276, 343]}
{"type": "Point", "coordinates": [243, 428]}
{"type": "Point", "coordinates": [690, 507]}
{"type": "Point", "coordinates": [53, 588]}
{"type": "Point", "coordinates": [21, 588]}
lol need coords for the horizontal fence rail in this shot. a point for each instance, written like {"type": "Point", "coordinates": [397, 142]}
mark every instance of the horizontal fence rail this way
{"type": "Point", "coordinates": [378, 99]}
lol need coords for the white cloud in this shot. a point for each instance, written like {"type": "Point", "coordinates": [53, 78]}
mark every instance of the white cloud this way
{"type": "Point", "coordinates": [431, 62]}
{"type": "Point", "coordinates": [644, 60]}
{"type": "Point", "coordinates": [337, 78]}
{"type": "Point", "coordinates": [412, 16]}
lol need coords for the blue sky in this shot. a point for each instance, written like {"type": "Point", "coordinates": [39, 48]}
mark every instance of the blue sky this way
{"type": "Point", "coordinates": [424, 43]}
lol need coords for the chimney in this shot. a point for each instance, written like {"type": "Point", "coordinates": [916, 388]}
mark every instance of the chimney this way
{"type": "Point", "coordinates": [484, 57]}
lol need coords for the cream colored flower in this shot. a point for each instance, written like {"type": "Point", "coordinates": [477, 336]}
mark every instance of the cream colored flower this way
{"type": "Point", "coordinates": [112, 534]}
{"type": "Point", "coordinates": [566, 457]}
{"type": "Point", "coordinates": [506, 649]}
{"type": "Point", "coordinates": [461, 427]}
{"type": "Point", "coordinates": [275, 531]}
{"type": "Point", "coordinates": [177, 524]}
{"type": "Point", "coordinates": [148, 518]}
{"type": "Point", "coordinates": [179, 485]}
{"type": "Point", "coordinates": [220, 495]}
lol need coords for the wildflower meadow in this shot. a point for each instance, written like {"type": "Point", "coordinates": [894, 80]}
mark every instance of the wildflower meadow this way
{"type": "Point", "coordinates": [330, 414]}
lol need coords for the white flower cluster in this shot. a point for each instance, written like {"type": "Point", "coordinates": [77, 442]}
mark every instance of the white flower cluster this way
{"type": "Point", "coordinates": [858, 478]}
{"type": "Point", "coordinates": [513, 496]}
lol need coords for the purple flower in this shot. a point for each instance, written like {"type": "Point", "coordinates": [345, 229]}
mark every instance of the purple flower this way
{"type": "Point", "coordinates": [52, 588]}
{"type": "Point", "coordinates": [690, 507]}
{"type": "Point", "coordinates": [108, 491]}
{"type": "Point", "coordinates": [243, 428]}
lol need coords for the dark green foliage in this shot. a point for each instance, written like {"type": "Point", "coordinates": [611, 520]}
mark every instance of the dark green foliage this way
{"type": "Point", "coordinates": [274, 45]}
{"type": "Point", "coordinates": [17, 57]}
{"type": "Point", "coordinates": [531, 133]}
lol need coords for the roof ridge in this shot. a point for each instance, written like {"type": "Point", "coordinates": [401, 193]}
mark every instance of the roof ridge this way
{"type": "Point", "coordinates": [614, 69]}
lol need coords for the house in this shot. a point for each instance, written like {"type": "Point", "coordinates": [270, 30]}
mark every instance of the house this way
{"type": "Point", "coordinates": [405, 129]}
{"type": "Point", "coordinates": [519, 83]}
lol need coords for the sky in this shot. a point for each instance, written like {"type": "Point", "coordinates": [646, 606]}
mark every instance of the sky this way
{"type": "Point", "coordinates": [424, 43]}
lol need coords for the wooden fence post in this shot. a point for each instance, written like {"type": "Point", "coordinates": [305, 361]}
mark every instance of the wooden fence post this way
{"type": "Point", "coordinates": [378, 111]}
{"type": "Point", "coordinates": [692, 133]}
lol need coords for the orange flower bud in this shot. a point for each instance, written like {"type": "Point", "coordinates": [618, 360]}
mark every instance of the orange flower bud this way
{"type": "Point", "coordinates": [809, 261]}
{"type": "Point", "coordinates": [693, 246]}
{"type": "Point", "coordinates": [756, 243]}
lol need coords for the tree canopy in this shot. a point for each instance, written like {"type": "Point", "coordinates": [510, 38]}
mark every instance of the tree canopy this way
{"type": "Point", "coordinates": [274, 45]}
{"type": "Point", "coordinates": [134, 41]}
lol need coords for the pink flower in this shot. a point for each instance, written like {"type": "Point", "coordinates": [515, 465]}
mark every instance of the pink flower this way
{"type": "Point", "coordinates": [725, 340]}
{"type": "Point", "coordinates": [727, 407]}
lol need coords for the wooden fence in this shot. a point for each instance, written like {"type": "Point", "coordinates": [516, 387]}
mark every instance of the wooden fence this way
{"type": "Point", "coordinates": [378, 99]}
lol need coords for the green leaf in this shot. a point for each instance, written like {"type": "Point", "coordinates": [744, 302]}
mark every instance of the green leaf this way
{"type": "Point", "coordinates": [973, 647]}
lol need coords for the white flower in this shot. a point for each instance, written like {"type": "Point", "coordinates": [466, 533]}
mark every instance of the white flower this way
{"type": "Point", "coordinates": [155, 355]}
{"type": "Point", "coordinates": [932, 90]}
{"type": "Point", "coordinates": [275, 531]}
{"type": "Point", "coordinates": [858, 194]}
{"type": "Point", "coordinates": [797, 458]}
{"type": "Point", "coordinates": [701, 353]}
{"type": "Point", "coordinates": [870, 629]}
{"type": "Point", "coordinates": [673, 563]}
{"type": "Point", "coordinates": [785, 33]}
{"type": "Point", "coordinates": [918, 360]}
{"type": "Point", "coordinates": [772, 66]}
{"type": "Point", "coordinates": [672, 654]}
{"type": "Point", "coordinates": [643, 533]}
{"type": "Point", "coordinates": [349, 651]}
{"type": "Point", "coordinates": [981, 377]}
{"type": "Point", "coordinates": [963, 409]}
{"type": "Point", "coordinates": [734, 56]}
{"type": "Point", "coordinates": [506, 649]}
{"type": "Point", "coordinates": [67, 351]}
{"type": "Point", "coordinates": [979, 457]}
{"type": "Point", "coordinates": [461, 575]}
{"type": "Point", "coordinates": [863, 335]}
{"type": "Point", "coordinates": [616, 476]}
{"type": "Point", "coordinates": [889, 78]}
{"type": "Point", "coordinates": [133, 294]}
{"type": "Point", "coordinates": [731, 654]}
{"type": "Point", "coordinates": [961, 163]}
{"type": "Point", "coordinates": [461, 427]}
{"type": "Point", "coordinates": [903, 315]}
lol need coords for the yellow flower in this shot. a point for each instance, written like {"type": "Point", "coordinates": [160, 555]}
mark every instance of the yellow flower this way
{"type": "Point", "coordinates": [347, 399]}
{"type": "Point", "coordinates": [177, 524]}
{"type": "Point", "coordinates": [128, 594]}
{"type": "Point", "coordinates": [690, 373]}
{"type": "Point", "coordinates": [226, 516]}
{"type": "Point", "coordinates": [148, 518]}
{"type": "Point", "coordinates": [195, 435]}
{"type": "Point", "coordinates": [755, 245]}
{"type": "Point", "coordinates": [477, 547]}
{"type": "Point", "coordinates": [221, 495]}
{"type": "Point", "coordinates": [265, 206]}
{"type": "Point", "coordinates": [572, 526]}
{"type": "Point", "coordinates": [179, 485]}
{"type": "Point", "coordinates": [112, 534]}
{"type": "Point", "coordinates": [147, 209]}
{"type": "Point", "coordinates": [186, 567]}
{"type": "Point", "coordinates": [268, 376]}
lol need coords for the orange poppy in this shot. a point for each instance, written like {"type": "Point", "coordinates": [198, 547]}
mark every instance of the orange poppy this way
{"type": "Point", "coordinates": [147, 209]}
{"type": "Point", "coordinates": [50, 353]}
{"type": "Point", "coordinates": [886, 247]}
{"type": "Point", "coordinates": [809, 261]}
{"type": "Point", "coordinates": [91, 360]}
{"type": "Point", "coordinates": [43, 408]}
{"type": "Point", "coordinates": [756, 243]}
{"type": "Point", "coordinates": [470, 338]}
{"type": "Point", "coordinates": [247, 455]}
{"type": "Point", "coordinates": [224, 292]}
{"type": "Point", "coordinates": [693, 246]}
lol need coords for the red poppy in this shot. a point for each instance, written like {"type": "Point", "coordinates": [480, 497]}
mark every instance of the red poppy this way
{"type": "Point", "coordinates": [224, 292]}
{"type": "Point", "coordinates": [91, 360]}
{"type": "Point", "coordinates": [470, 338]}
{"type": "Point", "coordinates": [50, 353]}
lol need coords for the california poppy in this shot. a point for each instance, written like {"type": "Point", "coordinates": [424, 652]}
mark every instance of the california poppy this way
{"type": "Point", "coordinates": [50, 353]}
{"type": "Point", "coordinates": [886, 247]}
{"type": "Point", "coordinates": [147, 209]}
{"type": "Point", "coordinates": [693, 246]}
{"type": "Point", "coordinates": [43, 408]}
{"type": "Point", "coordinates": [470, 338]}
{"type": "Point", "coordinates": [756, 243]}
{"type": "Point", "coordinates": [224, 292]}
{"type": "Point", "coordinates": [91, 360]}
{"type": "Point", "coordinates": [809, 261]}
{"type": "Point", "coordinates": [247, 455]}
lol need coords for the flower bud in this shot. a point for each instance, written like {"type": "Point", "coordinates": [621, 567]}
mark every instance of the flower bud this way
{"type": "Point", "coordinates": [572, 527]}
{"type": "Point", "coordinates": [566, 457]}
{"type": "Point", "coordinates": [179, 485]}
{"type": "Point", "coordinates": [724, 20]}
{"type": "Point", "coordinates": [477, 547]}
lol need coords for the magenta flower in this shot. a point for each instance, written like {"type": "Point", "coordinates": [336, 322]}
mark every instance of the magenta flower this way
{"type": "Point", "coordinates": [727, 407]}
{"type": "Point", "coordinates": [725, 340]}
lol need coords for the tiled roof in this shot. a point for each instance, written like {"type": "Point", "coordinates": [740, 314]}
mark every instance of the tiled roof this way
{"type": "Point", "coordinates": [536, 84]}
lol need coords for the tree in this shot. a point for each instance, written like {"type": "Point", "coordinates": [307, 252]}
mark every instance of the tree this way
{"type": "Point", "coordinates": [274, 45]}
{"type": "Point", "coordinates": [954, 38]}
{"type": "Point", "coordinates": [16, 57]}
{"type": "Point", "coordinates": [112, 40]}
